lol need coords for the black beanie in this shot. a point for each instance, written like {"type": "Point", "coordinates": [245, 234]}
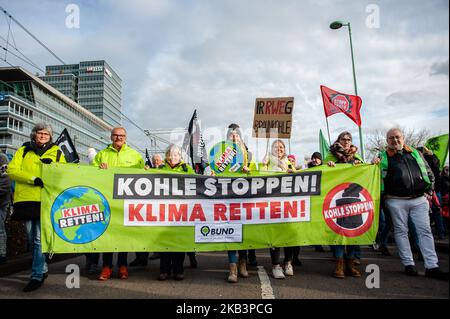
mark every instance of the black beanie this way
{"type": "Point", "coordinates": [316, 155]}
{"type": "Point", "coordinates": [234, 128]}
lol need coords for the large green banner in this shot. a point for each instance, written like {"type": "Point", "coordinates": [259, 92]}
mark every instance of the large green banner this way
{"type": "Point", "coordinates": [87, 209]}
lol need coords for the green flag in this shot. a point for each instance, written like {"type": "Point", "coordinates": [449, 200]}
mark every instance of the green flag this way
{"type": "Point", "coordinates": [439, 146]}
{"type": "Point", "coordinates": [324, 147]}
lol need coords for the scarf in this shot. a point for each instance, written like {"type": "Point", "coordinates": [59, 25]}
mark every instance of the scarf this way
{"type": "Point", "coordinates": [342, 155]}
{"type": "Point", "coordinates": [32, 146]}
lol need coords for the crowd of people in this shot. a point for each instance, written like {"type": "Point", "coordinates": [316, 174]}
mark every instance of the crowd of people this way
{"type": "Point", "coordinates": [413, 190]}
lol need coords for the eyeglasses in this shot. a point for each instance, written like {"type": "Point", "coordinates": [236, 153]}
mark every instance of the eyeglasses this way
{"type": "Point", "coordinates": [118, 135]}
{"type": "Point", "coordinates": [43, 133]}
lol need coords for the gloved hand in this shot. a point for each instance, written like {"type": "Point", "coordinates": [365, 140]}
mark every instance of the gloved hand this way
{"type": "Point", "coordinates": [46, 160]}
{"type": "Point", "coordinates": [38, 182]}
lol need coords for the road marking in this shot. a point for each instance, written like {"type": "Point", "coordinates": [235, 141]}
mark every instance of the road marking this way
{"type": "Point", "coordinates": [266, 287]}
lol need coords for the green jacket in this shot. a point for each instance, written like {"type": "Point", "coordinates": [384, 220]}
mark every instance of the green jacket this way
{"type": "Point", "coordinates": [24, 170]}
{"type": "Point", "coordinates": [127, 157]}
{"type": "Point", "coordinates": [182, 167]}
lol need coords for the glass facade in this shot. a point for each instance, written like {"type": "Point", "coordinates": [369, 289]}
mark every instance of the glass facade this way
{"type": "Point", "coordinates": [92, 84]}
{"type": "Point", "coordinates": [26, 100]}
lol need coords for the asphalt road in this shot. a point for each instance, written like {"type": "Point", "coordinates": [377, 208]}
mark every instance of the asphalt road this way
{"type": "Point", "coordinates": [312, 280]}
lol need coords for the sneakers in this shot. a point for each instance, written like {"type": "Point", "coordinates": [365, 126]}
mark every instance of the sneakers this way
{"type": "Point", "coordinates": [288, 270]}
{"type": "Point", "coordinates": [123, 272]}
{"type": "Point", "coordinates": [32, 285]}
{"type": "Point", "coordinates": [277, 272]}
{"type": "Point", "coordinates": [411, 271]}
{"type": "Point", "coordinates": [105, 274]}
{"type": "Point", "coordinates": [436, 273]}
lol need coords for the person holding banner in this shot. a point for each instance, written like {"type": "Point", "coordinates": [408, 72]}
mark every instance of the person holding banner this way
{"type": "Point", "coordinates": [173, 261]}
{"type": "Point", "coordinates": [343, 151]}
{"type": "Point", "coordinates": [25, 169]}
{"type": "Point", "coordinates": [234, 135]}
{"type": "Point", "coordinates": [277, 161]}
{"type": "Point", "coordinates": [142, 257]}
{"type": "Point", "coordinates": [117, 154]}
{"type": "Point", "coordinates": [407, 184]}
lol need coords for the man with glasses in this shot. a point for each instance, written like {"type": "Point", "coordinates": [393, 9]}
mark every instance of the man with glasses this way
{"type": "Point", "coordinates": [407, 182]}
{"type": "Point", "coordinates": [117, 154]}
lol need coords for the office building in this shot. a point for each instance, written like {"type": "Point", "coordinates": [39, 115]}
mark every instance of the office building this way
{"type": "Point", "coordinates": [92, 84]}
{"type": "Point", "coordinates": [25, 100]}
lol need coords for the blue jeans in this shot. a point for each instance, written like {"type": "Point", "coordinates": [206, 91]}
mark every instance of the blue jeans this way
{"type": "Point", "coordinates": [385, 227]}
{"type": "Point", "coordinates": [339, 251]}
{"type": "Point", "coordinates": [3, 236]}
{"type": "Point", "coordinates": [39, 266]}
{"type": "Point", "coordinates": [232, 258]}
{"type": "Point", "coordinates": [415, 210]}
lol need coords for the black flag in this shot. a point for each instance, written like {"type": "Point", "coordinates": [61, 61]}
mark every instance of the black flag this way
{"type": "Point", "coordinates": [67, 147]}
{"type": "Point", "coordinates": [148, 162]}
{"type": "Point", "coordinates": [194, 145]}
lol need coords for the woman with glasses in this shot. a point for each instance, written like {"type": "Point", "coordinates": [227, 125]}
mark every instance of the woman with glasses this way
{"type": "Point", "coordinates": [25, 169]}
{"type": "Point", "coordinates": [344, 152]}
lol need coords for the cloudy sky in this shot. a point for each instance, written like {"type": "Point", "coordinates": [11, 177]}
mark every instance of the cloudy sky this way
{"type": "Point", "coordinates": [218, 56]}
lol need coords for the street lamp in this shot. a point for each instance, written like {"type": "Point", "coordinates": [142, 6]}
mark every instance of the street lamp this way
{"type": "Point", "coordinates": [337, 25]}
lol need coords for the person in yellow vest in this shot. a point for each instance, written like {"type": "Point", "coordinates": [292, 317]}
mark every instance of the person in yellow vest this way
{"type": "Point", "coordinates": [277, 161]}
{"type": "Point", "coordinates": [25, 169]}
{"type": "Point", "coordinates": [117, 154]}
{"type": "Point", "coordinates": [173, 261]}
{"type": "Point", "coordinates": [407, 183]}
{"type": "Point", "coordinates": [234, 135]}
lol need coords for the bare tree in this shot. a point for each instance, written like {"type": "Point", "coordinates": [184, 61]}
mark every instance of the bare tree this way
{"type": "Point", "coordinates": [376, 142]}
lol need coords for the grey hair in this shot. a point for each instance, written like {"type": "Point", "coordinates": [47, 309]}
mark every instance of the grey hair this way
{"type": "Point", "coordinates": [392, 130]}
{"type": "Point", "coordinates": [41, 127]}
{"type": "Point", "coordinates": [172, 147]}
{"type": "Point", "coordinates": [155, 155]}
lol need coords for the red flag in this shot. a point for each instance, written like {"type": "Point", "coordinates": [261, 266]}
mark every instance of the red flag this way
{"type": "Point", "coordinates": [336, 102]}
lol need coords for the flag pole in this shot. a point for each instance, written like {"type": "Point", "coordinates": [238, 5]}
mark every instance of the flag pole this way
{"type": "Point", "coordinates": [328, 130]}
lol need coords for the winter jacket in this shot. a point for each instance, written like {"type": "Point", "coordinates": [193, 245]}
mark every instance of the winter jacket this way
{"type": "Point", "coordinates": [126, 157]}
{"type": "Point", "coordinates": [405, 173]}
{"type": "Point", "coordinates": [181, 167]}
{"type": "Point", "coordinates": [26, 166]}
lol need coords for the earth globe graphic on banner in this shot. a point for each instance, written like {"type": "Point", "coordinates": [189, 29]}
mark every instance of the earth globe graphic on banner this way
{"type": "Point", "coordinates": [80, 214]}
{"type": "Point", "coordinates": [226, 157]}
